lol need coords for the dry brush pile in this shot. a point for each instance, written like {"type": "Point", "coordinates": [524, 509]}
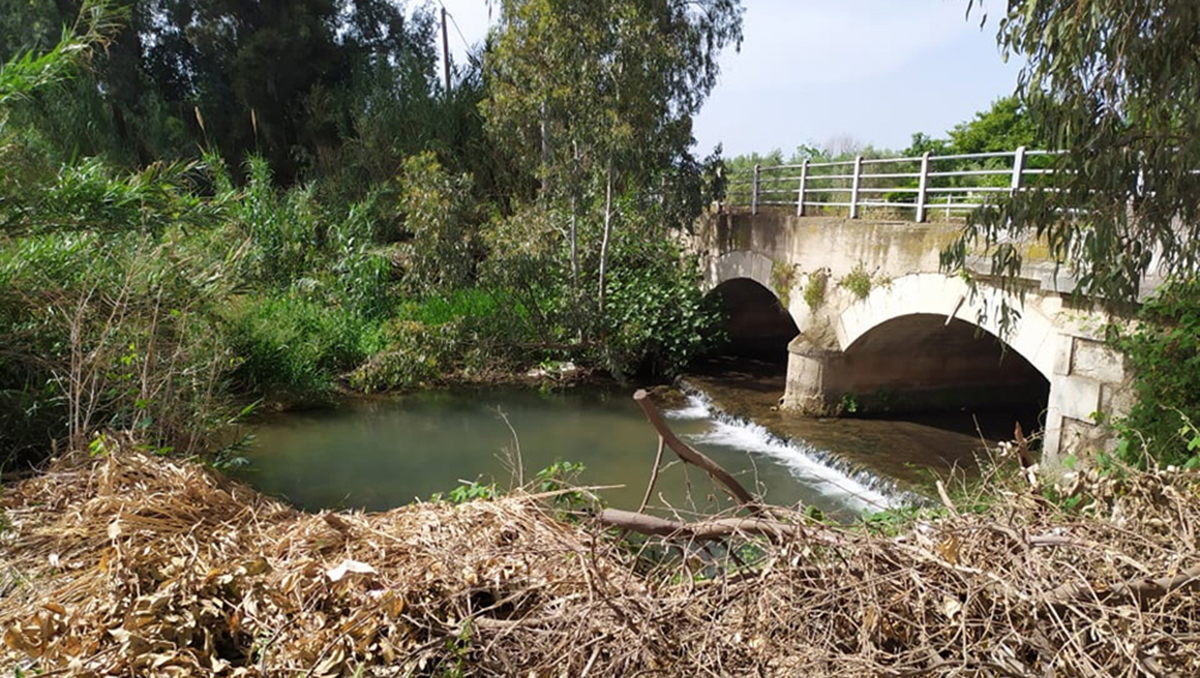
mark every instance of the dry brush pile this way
{"type": "Point", "coordinates": [132, 565]}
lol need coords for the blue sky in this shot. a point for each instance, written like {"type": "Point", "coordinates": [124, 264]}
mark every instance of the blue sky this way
{"type": "Point", "coordinates": [832, 71]}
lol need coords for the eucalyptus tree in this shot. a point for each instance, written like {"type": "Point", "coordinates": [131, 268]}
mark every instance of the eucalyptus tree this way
{"type": "Point", "coordinates": [278, 78]}
{"type": "Point", "coordinates": [596, 98]}
{"type": "Point", "coordinates": [1115, 84]}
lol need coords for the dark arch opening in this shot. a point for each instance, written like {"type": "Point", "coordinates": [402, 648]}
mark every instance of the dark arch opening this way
{"type": "Point", "coordinates": [756, 327]}
{"type": "Point", "coordinates": [921, 363]}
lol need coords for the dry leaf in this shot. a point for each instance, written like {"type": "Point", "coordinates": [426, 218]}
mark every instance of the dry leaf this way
{"type": "Point", "coordinates": [349, 567]}
{"type": "Point", "coordinates": [950, 548]}
{"type": "Point", "coordinates": [951, 607]}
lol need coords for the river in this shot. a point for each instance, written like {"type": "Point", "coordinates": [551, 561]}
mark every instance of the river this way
{"type": "Point", "coordinates": [381, 453]}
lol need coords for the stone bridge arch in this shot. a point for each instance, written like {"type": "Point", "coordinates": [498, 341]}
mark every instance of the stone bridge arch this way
{"type": "Point", "coordinates": [914, 345]}
{"type": "Point", "coordinates": [1061, 339]}
{"type": "Point", "coordinates": [758, 323]}
{"type": "Point", "coordinates": [877, 356]}
{"type": "Point", "coordinates": [741, 264]}
{"type": "Point", "coordinates": [1034, 336]}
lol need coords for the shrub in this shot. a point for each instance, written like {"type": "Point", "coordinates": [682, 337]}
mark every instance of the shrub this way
{"type": "Point", "coordinates": [1163, 350]}
{"type": "Point", "coordinates": [657, 319]}
{"type": "Point", "coordinates": [857, 281]}
{"type": "Point", "coordinates": [416, 354]}
{"type": "Point", "coordinates": [107, 332]}
{"type": "Point", "coordinates": [814, 291]}
{"type": "Point", "coordinates": [281, 226]}
{"type": "Point", "coordinates": [436, 203]}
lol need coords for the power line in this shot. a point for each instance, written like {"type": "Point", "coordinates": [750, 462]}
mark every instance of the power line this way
{"type": "Point", "coordinates": [466, 44]}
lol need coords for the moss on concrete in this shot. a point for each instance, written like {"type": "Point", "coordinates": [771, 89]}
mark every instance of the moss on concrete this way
{"type": "Point", "coordinates": [783, 279]}
{"type": "Point", "coordinates": [814, 291]}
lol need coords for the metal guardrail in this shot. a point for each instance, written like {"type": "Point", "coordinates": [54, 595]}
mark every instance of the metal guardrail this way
{"type": "Point", "coordinates": [955, 183]}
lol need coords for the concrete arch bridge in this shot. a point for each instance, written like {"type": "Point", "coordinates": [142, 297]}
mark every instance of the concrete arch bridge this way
{"type": "Point", "coordinates": [867, 321]}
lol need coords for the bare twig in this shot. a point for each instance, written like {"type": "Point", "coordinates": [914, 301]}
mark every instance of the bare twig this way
{"type": "Point", "coordinates": [653, 476]}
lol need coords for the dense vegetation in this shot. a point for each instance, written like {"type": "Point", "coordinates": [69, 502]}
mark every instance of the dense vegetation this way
{"type": "Point", "coordinates": [203, 204]}
{"type": "Point", "coordinates": [206, 203]}
{"type": "Point", "coordinates": [1111, 91]}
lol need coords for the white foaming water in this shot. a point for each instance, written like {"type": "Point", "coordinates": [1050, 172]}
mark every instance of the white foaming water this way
{"type": "Point", "coordinates": [697, 408]}
{"type": "Point", "coordinates": [803, 461]}
{"type": "Point", "coordinates": [799, 459]}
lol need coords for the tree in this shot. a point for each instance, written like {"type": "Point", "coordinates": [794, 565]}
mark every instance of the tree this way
{"type": "Point", "coordinates": [1112, 83]}
{"type": "Point", "coordinates": [598, 98]}
{"type": "Point", "coordinates": [1004, 126]}
{"type": "Point", "coordinates": [275, 77]}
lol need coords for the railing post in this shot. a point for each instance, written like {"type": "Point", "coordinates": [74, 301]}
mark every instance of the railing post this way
{"type": "Point", "coordinates": [1018, 169]}
{"type": "Point", "coordinates": [922, 187]}
{"type": "Point", "coordinates": [803, 188]}
{"type": "Point", "coordinates": [854, 187]}
{"type": "Point", "coordinates": [754, 190]}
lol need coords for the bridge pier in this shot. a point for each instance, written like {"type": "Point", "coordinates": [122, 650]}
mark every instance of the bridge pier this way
{"type": "Point", "coordinates": [805, 392]}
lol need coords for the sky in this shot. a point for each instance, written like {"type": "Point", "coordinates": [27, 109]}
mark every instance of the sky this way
{"type": "Point", "coordinates": [821, 72]}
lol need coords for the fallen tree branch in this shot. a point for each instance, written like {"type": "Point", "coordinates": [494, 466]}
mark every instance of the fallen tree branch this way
{"type": "Point", "coordinates": [653, 476]}
{"type": "Point", "coordinates": [717, 528]}
{"type": "Point", "coordinates": [1139, 591]}
{"type": "Point", "coordinates": [692, 456]}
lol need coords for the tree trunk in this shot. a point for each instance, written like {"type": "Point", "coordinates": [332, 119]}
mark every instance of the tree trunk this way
{"type": "Point", "coordinates": [545, 134]}
{"type": "Point", "coordinates": [574, 246]}
{"type": "Point", "coordinates": [608, 216]}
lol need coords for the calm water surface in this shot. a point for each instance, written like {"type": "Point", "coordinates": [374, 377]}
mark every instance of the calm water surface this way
{"type": "Point", "coordinates": [384, 453]}
{"type": "Point", "coordinates": [379, 454]}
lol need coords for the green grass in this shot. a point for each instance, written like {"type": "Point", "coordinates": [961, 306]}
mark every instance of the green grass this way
{"type": "Point", "coordinates": [299, 346]}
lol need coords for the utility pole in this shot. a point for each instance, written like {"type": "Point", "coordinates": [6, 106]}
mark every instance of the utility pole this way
{"type": "Point", "coordinates": [445, 53]}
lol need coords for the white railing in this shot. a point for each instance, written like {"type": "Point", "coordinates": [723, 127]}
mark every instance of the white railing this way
{"type": "Point", "coordinates": [954, 183]}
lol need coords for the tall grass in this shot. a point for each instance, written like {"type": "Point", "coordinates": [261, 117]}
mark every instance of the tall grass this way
{"type": "Point", "coordinates": [108, 333]}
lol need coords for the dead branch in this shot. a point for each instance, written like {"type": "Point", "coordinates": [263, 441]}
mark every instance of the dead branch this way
{"type": "Point", "coordinates": [1140, 591]}
{"type": "Point", "coordinates": [692, 456]}
{"type": "Point", "coordinates": [716, 528]}
{"type": "Point", "coordinates": [653, 476]}
{"type": "Point", "coordinates": [505, 587]}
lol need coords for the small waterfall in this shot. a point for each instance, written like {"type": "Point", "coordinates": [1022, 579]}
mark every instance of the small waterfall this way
{"type": "Point", "coordinates": [828, 473]}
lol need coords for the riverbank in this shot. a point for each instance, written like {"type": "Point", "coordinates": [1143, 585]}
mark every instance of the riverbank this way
{"type": "Point", "coordinates": [129, 564]}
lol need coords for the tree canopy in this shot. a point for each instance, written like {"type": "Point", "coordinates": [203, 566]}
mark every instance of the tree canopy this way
{"type": "Point", "coordinates": [280, 78]}
{"type": "Point", "coordinates": [1114, 84]}
{"type": "Point", "coordinates": [574, 84]}
{"type": "Point", "coordinates": [597, 97]}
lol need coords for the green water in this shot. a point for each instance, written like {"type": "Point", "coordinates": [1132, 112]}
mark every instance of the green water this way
{"type": "Point", "coordinates": [379, 454]}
